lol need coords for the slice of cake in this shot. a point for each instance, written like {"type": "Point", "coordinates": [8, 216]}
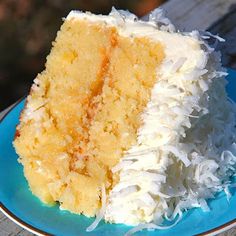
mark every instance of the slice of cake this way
{"type": "Point", "coordinates": [129, 121]}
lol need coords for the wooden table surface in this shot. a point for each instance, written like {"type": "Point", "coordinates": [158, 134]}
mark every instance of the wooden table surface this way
{"type": "Point", "coordinates": [217, 16]}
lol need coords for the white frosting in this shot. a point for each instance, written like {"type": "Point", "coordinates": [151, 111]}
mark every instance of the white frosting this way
{"type": "Point", "coordinates": [177, 159]}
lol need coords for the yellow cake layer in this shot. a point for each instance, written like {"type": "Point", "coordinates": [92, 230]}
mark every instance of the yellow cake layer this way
{"type": "Point", "coordinates": [83, 112]}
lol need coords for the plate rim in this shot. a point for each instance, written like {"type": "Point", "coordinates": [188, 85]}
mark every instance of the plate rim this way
{"type": "Point", "coordinates": [10, 215]}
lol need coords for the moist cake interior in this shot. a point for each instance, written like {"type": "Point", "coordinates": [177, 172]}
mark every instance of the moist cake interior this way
{"type": "Point", "coordinates": [84, 111]}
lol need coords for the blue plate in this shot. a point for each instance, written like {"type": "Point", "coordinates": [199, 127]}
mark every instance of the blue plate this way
{"type": "Point", "coordinates": [18, 203]}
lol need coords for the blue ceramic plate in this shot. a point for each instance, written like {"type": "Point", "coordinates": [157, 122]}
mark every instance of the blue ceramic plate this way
{"type": "Point", "coordinates": [17, 202]}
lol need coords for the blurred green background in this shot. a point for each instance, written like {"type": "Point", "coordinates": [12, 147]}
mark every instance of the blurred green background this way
{"type": "Point", "coordinates": [28, 27]}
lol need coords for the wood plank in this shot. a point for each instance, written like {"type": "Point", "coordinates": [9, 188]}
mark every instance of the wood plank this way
{"type": "Point", "coordinates": [9, 228]}
{"type": "Point", "coordinates": [226, 28]}
{"type": "Point", "coordinates": [196, 14]}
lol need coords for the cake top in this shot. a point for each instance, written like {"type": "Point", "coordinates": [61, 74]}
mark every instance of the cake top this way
{"type": "Point", "coordinates": [186, 48]}
{"type": "Point", "coordinates": [127, 20]}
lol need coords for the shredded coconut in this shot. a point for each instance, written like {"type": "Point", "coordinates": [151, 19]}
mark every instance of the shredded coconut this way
{"type": "Point", "coordinates": [152, 226]}
{"type": "Point", "coordinates": [187, 136]}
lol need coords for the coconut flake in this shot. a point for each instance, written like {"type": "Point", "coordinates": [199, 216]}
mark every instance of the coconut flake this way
{"type": "Point", "coordinates": [152, 226]}
{"type": "Point", "coordinates": [227, 192]}
{"type": "Point", "coordinates": [204, 205]}
{"type": "Point", "coordinates": [181, 155]}
{"type": "Point", "coordinates": [158, 16]}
